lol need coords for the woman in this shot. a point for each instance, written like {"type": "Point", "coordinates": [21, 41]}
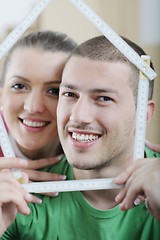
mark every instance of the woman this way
{"type": "Point", "coordinates": [31, 76]}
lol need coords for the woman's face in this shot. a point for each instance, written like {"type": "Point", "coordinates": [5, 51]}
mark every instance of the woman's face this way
{"type": "Point", "coordinates": [30, 96]}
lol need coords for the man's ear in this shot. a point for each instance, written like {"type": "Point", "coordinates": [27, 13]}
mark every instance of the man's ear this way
{"type": "Point", "coordinates": [150, 110]}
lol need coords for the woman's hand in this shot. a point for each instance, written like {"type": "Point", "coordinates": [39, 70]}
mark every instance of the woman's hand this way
{"type": "Point", "coordinates": [31, 169]}
{"type": "Point", "coordinates": [13, 198]}
{"type": "Point", "coordinates": [38, 176]}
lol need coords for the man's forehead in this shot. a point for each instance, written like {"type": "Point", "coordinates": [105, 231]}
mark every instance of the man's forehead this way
{"type": "Point", "coordinates": [82, 67]}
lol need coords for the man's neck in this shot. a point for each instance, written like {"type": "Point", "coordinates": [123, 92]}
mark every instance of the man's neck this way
{"type": "Point", "coordinates": [99, 199]}
{"type": "Point", "coordinates": [102, 199]}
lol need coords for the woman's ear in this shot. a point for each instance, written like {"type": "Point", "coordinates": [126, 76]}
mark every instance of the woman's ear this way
{"type": "Point", "coordinates": [150, 110]}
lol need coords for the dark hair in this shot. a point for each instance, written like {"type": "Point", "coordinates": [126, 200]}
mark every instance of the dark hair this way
{"type": "Point", "coordinates": [45, 40]}
{"type": "Point", "coordinates": [101, 49]}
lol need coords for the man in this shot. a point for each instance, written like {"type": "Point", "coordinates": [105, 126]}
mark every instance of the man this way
{"type": "Point", "coordinates": [96, 124]}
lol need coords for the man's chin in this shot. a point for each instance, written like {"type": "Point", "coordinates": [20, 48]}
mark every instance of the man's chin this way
{"type": "Point", "coordinates": [82, 167]}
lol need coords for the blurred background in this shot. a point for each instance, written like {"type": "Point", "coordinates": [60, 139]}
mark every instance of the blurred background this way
{"type": "Point", "coordinates": [139, 20]}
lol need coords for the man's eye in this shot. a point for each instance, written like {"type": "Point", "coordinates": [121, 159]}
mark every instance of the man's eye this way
{"type": "Point", "coordinates": [54, 91]}
{"type": "Point", "coordinates": [69, 94]}
{"type": "Point", "coordinates": [105, 99]}
{"type": "Point", "coordinates": [18, 86]}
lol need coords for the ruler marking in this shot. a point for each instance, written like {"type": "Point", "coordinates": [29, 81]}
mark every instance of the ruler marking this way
{"type": "Point", "coordinates": [71, 185]}
{"type": "Point", "coordinates": [7, 148]}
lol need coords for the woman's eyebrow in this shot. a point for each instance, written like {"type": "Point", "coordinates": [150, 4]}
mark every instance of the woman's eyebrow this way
{"type": "Point", "coordinates": [52, 82]}
{"type": "Point", "coordinates": [21, 77]}
{"type": "Point", "coordinates": [45, 83]}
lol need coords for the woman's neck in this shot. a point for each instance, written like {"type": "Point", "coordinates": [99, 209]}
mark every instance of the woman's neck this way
{"type": "Point", "coordinates": [51, 150]}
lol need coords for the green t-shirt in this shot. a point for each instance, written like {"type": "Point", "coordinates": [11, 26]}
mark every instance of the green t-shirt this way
{"type": "Point", "coordinates": [70, 217]}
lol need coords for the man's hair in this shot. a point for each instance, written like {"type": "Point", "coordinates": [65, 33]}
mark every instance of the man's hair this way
{"type": "Point", "coordinates": [45, 40]}
{"type": "Point", "coordinates": [101, 49]}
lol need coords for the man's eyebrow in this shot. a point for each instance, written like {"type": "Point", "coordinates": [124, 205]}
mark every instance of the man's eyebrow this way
{"type": "Point", "coordinates": [96, 90]}
{"type": "Point", "coordinates": [66, 85]}
{"type": "Point", "coordinates": [104, 90]}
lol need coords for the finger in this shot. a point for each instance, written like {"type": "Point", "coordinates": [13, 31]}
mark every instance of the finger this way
{"type": "Point", "coordinates": [41, 163]}
{"type": "Point", "coordinates": [12, 163]}
{"type": "Point", "coordinates": [11, 194]}
{"type": "Point", "coordinates": [31, 198]}
{"type": "Point", "coordinates": [153, 209]}
{"type": "Point", "coordinates": [129, 188]}
{"type": "Point", "coordinates": [139, 200]}
{"type": "Point", "coordinates": [44, 176]}
{"type": "Point", "coordinates": [51, 194]}
{"type": "Point", "coordinates": [124, 176]}
{"type": "Point", "coordinates": [132, 195]}
{"type": "Point", "coordinates": [153, 146]}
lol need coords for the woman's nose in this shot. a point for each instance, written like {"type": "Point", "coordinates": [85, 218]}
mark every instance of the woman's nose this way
{"type": "Point", "coordinates": [34, 103]}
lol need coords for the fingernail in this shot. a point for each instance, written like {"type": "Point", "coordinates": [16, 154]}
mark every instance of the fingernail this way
{"type": "Point", "coordinates": [39, 200]}
{"type": "Point", "coordinates": [29, 198]}
{"type": "Point", "coordinates": [137, 201]}
{"type": "Point", "coordinates": [146, 203]}
{"type": "Point", "coordinates": [62, 177]}
{"type": "Point", "coordinates": [60, 156]}
{"type": "Point", "coordinates": [55, 194]}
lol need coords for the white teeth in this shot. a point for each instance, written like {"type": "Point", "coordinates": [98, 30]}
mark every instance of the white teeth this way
{"type": "Point", "coordinates": [84, 138]}
{"type": "Point", "coordinates": [34, 124]}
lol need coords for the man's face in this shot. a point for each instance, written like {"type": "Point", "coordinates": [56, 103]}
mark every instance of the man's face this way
{"type": "Point", "coordinates": [96, 114]}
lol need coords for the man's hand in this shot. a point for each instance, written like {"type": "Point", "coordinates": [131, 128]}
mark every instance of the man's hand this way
{"type": "Point", "coordinates": [141, 181]}
{"type": "Point", "coordinates": [153, 146]}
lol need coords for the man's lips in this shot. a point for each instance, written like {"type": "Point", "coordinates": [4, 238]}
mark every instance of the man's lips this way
{"type": "Point", "coordinates": [84, 137]}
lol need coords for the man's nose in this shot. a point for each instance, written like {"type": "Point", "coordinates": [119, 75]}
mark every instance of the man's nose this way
{"type": "Point", "coordinates": [82, 111]}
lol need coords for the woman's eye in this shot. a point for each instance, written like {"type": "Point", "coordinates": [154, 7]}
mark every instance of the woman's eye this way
{"type": "Point", "coordinates": [54, 91]}
{"type": "Point", "coordinates": [18, 86]}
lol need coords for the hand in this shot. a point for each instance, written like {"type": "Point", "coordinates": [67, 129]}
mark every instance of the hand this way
{"type": "Point", "coordinates": [38, 176]}
{"type": "Point", "coordinates": [142, 178]}
{"type": "Point", "coordinates": [13, 198]}
{"type": "Point", "coordinates": [9, 163]}
{"type": "Point", "coordinates": [153, 146]}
